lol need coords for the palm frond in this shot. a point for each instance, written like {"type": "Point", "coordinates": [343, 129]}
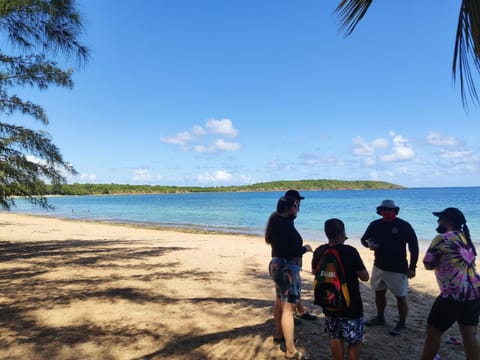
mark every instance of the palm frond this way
{"type": "Point", "coordinates": [467, 49]}
{"type": "Point", "coordinates": [350, 12]}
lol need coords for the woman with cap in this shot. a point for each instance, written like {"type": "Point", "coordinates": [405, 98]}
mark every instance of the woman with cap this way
{"type": "Point", "coordinates": [285, 265]}
{"type": "Point", "coordinates": [301, 311]}
{"type": "Point", "coordinates": [452, 255]}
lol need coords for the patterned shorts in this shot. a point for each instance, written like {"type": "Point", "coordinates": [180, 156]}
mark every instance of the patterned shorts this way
{"type": "Point", "coordinates": [349, 330]}
{"type": "Point", "coordinates": [287, 280]}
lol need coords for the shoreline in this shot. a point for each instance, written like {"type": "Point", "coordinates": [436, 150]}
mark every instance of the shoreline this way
{"type": "Point", "coordinates": [76, 289]}
{"type": "Point", "coordinates": [193, 229]}
{"type": "Point", "coordinates": [233, 213]}
{"type": "Point", "coordinates": [354, 239]}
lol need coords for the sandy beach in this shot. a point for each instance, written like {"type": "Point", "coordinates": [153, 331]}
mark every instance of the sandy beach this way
{"type": "Point", "coordinates": [85, 290]}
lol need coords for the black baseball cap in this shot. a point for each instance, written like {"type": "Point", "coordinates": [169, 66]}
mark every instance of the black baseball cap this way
{"type": "Point", "coordinates": [452, 214]}
{"type": "Point", "coordinates": [294, 194]}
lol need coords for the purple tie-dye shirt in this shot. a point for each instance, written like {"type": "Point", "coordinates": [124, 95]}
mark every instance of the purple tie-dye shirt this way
{"type": "Point", "coordinates": [454, 262]}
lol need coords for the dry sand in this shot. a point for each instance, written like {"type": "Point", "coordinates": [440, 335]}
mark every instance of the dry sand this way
{"type": "Point", "coordinates": [83, 290]}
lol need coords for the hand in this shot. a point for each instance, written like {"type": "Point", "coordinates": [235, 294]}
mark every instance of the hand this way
{"type": "Point", "coordinates": [411, 274]}
{"type": "Point", "coordinates": [372, 245]}
{"type": "Point", "coordinates": [308, 248]}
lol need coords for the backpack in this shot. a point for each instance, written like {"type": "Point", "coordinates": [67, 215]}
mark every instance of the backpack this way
{"type": "Point", "coordinates": [330, 285]}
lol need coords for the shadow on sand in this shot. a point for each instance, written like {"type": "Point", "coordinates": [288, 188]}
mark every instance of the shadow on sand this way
{"type": "Point", "coordinates": [30, 284]}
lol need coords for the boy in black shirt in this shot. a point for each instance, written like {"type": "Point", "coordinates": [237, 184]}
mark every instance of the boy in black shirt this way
{"type": "Point", "coordinates": [344, 325]}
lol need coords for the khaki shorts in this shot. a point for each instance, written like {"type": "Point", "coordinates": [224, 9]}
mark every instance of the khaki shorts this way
{"type": "Point", "coordinates": [397, 283]}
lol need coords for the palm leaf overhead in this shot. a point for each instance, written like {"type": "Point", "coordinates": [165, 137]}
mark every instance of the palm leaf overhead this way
{"type": "Point", "coordinates": [351, 12]}
{"type": "Point", "coordinates": [467, 47]}
{"type": "Point", "coordinates": [467, 41]}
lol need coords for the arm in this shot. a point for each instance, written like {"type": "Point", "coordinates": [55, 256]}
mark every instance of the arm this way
{"type": "Point", "coordinates": [360, 268]}
{"type": "Point", "coordinates": [366, 236]}
{"type": "Point", "coordinates": [315, 260]}
{"type": "Point", "coordinates": [363, 275]}
{"type": "Point", "coordinates": [413, 249]}
{"type": "Point", "coordinates": [307, 248]}
{"type": "Point", "coordinates": [433, 254]}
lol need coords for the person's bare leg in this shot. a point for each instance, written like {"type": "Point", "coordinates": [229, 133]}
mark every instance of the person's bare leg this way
{"type": "Point", "coordinates": [277, 317]}
{"type": "Point", "coordinates": [336, 346]}
{"type": "Point", "coordinates": [354, 351]}
{"type": "Point", "coordinates": [288, 310]}
{"type": "Point", "coordinates": [402, 306]}
{"type": "Point", "coordinates": [381, 302]}
{"type": "Point", "coordinates": [431, 345]}
{"type": "Point", "coordinates": [470, 342]}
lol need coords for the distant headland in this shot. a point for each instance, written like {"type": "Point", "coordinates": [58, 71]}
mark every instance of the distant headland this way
{"type": "Point", "coordinates": [280, 185]}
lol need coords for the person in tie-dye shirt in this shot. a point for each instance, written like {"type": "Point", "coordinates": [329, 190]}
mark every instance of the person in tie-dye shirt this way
{"type": "Point", "coordinates": [452, 255]}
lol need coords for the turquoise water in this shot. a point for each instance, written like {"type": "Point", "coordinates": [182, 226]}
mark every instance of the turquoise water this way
{"type": "Point", "coordinates": [247, 212]}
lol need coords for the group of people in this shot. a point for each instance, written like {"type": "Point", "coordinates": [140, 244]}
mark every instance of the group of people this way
{"type": "Point", "coordinates": [451, 254]}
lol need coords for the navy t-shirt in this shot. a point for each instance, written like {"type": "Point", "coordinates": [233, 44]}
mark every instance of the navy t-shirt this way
{"type": "Point", "coordinates": [352, 262]}
{"type": "Point", "coordinates": [393, 238]}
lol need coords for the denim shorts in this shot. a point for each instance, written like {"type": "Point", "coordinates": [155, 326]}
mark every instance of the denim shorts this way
{"type": "Point", "coordinates": [287, 279]}
{"type": "Point", "coordinates": [349, 330]}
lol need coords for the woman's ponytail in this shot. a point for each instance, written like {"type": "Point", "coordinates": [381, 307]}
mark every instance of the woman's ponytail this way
{"type": "Point", "coordinates": [466, 232]}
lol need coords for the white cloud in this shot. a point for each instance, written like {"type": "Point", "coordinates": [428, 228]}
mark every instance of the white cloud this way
{"type": "Point", "coordinates": [198, 130]}
{"type": "Point", "coordinates": [246, 179]}
{"type": "Point", "coordinates": [88, 177]}
{"type": "Point", "coordinates": [404, 171]}
{"type": "Point", "coordinates": [226, 145]}
{"type": "Point", "coordinates": [199, 139]}
{"type": "Point", "coordinates": [402, 150]}
{"type": "Point", "coordinates": [461, 168]}
{"type": "Point", "coordinates": [35, 160]}
{"type": "Point", "coordinates": [437, 139]}
{"type": "Point", "coordinates": [278, 166]}
{"type": "Point", "coordinates": [63, 171]}
{"type": "Point", "coordinates": [380, 143]}
{"type": "Point", "coordinates": [203, 149]}
{"type": "Point", "coordinates": [141, 175]}
{"type": "Point", "coordinates": [362, 147]}
{"type": "Point", "coordinates": [315, 160]}
{"type": "Point", "coordinates": [222, 126]}
{"type": "Point", "coordinates": [217, 176]}
{"type": "Point", "coordinates": [455, 154]}
{"type": "Point", "coordinates": [181, 138]}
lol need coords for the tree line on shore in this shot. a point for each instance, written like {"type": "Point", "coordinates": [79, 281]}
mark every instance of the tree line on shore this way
{"type": "Point", "coordinates": [281, 185]}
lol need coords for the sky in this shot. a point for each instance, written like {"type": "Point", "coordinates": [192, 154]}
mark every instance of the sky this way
{"type": "Point", "coordinates": [220, 92]}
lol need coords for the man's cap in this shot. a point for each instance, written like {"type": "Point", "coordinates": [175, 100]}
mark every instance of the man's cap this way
{"type": "Point", "coordinates": [452, 214]}
{"type": "Point", "coordinates": [389, 204]}
{"type": "Point", "coordinates": [294, 194]}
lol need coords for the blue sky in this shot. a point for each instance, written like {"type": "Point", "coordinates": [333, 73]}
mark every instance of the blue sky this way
{"type": "Point", "coordinates": [212, 93]}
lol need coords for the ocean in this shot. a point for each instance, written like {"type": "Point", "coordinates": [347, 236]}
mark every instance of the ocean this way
{"type": "Point", "coordinates": [247, 212]}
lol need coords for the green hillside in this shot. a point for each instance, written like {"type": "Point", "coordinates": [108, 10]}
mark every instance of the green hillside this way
{"type": "Point", "coordinates": [281, 185]}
